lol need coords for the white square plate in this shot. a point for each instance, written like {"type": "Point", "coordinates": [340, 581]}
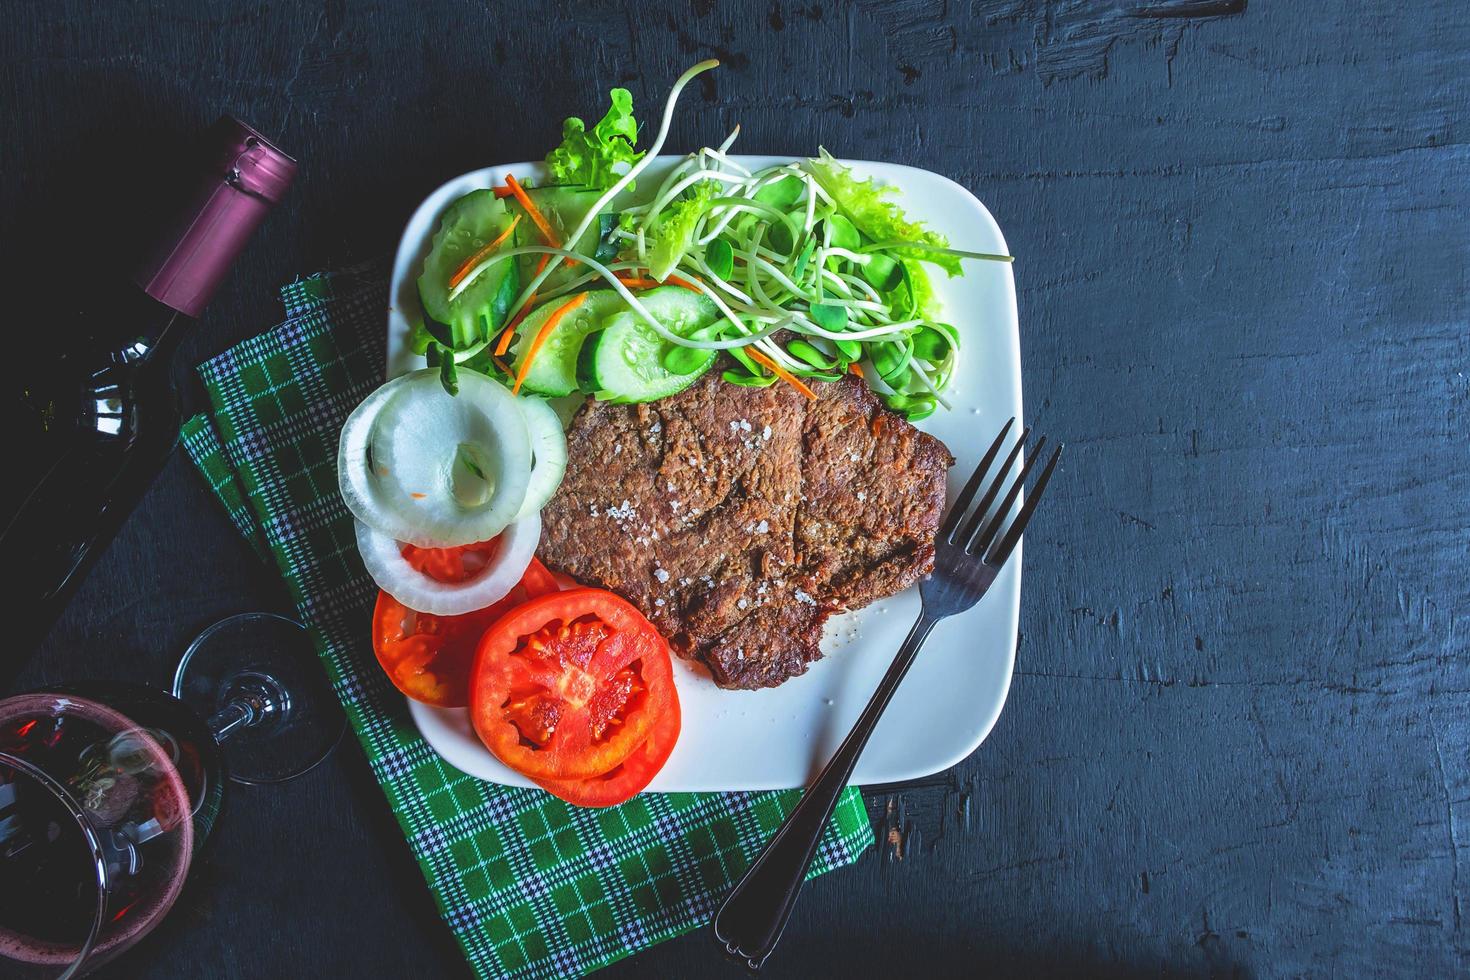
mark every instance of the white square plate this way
{"type": "Point", "coordinates": [780, 738]}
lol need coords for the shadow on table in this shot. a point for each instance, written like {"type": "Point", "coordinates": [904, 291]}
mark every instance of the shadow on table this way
{"type": "Point", "coordinates": [92, 190]}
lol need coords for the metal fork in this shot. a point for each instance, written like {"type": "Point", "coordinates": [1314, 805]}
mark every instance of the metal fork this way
{"type": "Point", "coordinates": [967, 559]}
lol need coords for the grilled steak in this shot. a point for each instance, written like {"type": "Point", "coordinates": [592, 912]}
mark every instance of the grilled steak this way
{"type": "Point", "coordinates": [738, 519]}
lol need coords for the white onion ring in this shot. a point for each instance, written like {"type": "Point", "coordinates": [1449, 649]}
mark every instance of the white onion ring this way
{"type": "Point", "coordinates": [548, 450]}
{"type": "Point", "coordinates": [384, 559]}
{"type": "Point", "coordinates": [412, 433]}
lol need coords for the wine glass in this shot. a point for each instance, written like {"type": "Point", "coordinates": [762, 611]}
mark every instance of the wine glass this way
{"type": "Point", "coordinates": [108, 789]}
{"type": "Point", "coordinates": [258, 682]}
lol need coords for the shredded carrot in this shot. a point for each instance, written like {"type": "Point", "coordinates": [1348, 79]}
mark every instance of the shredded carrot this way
{"type": "Point", "coordinates": [780, 372]}
{"type": "Point", "coordinates": [856, 368]}
{"type": "Point", "coordinates": [685, 283]}
{"type": "Point", "coordinates": [506, 336]}
{"type": "Point", "coordinates": [502, 192]}
{"type": "Point", "coordinates": [504, 367]}
{"type": "Point", "coordinates": [646, 282]}
{"type": "Point", "coordinates": [482, 254]}
{"type": "Point", "coordinates": [503, 344]}
{"type": "Point", "coordinates": [532, 210]}
{"type": "Point", "coordinates": [540, 339]}
{"type": "Point", "coordinates": [418, 496]}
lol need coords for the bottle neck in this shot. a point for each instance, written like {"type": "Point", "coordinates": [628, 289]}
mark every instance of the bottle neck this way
{"type": "Point", "coordinates": [195, 256]}
{"type": "Point", "coordinates": [159, 344]}
{"type": "Point", "coordinates": [128, 323]}
{"type": "Point", "coordinates": [243, 181]}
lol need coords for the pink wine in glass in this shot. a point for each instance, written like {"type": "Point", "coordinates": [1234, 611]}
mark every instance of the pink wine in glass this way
{"type": "Point", "coordinates": [96, 832]}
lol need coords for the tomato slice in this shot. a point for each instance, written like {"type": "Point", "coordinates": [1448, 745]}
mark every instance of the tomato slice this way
{"type": "Point", "coordinates": [429, 658]}
{"type": "Point", "coordinates": [539, 580]}
{"type": "Point", "coordinates": [567, 686]}
{"type": "Point", "coordinates": [452, 564]}
{"type": "Point", "coordinates": [632, 776]}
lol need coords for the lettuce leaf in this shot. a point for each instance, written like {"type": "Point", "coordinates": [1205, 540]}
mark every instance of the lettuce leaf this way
{"type": "Point", "coordinates": [921, 290]}
{"type": "Point", "coordinates": [674, 233]}
{"type": "Point", "coordinates": [867, 205]}
{"type": "Point", "coordinates": [597, 158]}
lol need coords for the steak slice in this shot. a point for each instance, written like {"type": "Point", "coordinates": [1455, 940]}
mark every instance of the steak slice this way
{"type": "Point", "coordinates": [738, 519]}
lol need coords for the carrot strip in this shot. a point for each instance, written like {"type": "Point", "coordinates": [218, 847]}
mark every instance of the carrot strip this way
{"type": "Point", "coordinates": [780, 372]}
{"type": "Point", "coordinates": [856, 369]}
{"type": "Point", "coordinates": [644, 282]}
{"type": "Point", "coordinates": [482, 254]}
{"type": "Point", "coordinates": [502, 192]}
{"type": "Point", "coordinates": [506, 336]}
{"type": "Point", "coordinates": [503, 344]}
{"type": "Point", "coordinates": [532, 210]}
{"type": "Point", "coordinates": [542, 334]}
{"type": "Point", "coordinates": [685, 283]}
{"type": "Point", "coordinates": [504, 367]}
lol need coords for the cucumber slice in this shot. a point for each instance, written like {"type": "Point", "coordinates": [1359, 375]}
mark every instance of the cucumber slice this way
{"type": "Point", "coordinates": [625, 361]}
{"type": "Point", "coordinates": [563, 208]}
{"type": "Point", "coordinates": [554, 371]}
{"type": "Point", "coordinates": [468, 225]}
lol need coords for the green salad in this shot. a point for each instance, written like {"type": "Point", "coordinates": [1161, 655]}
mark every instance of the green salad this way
{"type": "Point", "coordinates": [590, 280]}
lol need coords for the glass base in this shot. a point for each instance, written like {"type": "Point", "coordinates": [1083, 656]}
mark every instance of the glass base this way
{"type": "Point", "coordinates": [258, 681]}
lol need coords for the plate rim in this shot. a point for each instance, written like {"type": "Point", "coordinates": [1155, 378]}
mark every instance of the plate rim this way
{"type": "Point", "coordinates": [431, 721]}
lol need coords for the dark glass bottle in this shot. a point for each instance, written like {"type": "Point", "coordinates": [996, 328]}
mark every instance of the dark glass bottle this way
{"type": "Point", "coordinates": [96, 419]}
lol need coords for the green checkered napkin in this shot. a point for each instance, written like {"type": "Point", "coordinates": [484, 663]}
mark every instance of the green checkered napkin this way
{"type": "Point", "coordinates": [529, 885]}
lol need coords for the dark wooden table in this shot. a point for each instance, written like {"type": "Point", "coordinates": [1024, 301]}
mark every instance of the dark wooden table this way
{"type": "Point", "coordinates": [1238, 740]}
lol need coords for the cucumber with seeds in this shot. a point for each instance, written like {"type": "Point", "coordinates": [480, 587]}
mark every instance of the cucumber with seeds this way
{"type": "Point", "coordinates": [563, 208]}
{"type": "Point", "coordinates": [627, 361]}
{"type": "Point", "coordinates": [554, 371]}
{"type": "Point", "coordinates": [472, 318]}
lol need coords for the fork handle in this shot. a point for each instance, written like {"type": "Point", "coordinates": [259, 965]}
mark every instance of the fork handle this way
{"type": "Point", "coordinates": [754, 914]}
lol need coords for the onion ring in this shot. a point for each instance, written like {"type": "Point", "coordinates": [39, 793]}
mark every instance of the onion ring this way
{"type": "Point", "coordinates": [548, 450]}
{"type": "Point", "coordinates": [384, 559]}
{"type": "Point", "coordinates": [418, 465]}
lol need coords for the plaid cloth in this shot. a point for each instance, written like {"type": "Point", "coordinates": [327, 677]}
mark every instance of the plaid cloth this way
{"type": "Point", "coordinates": [529, 885]}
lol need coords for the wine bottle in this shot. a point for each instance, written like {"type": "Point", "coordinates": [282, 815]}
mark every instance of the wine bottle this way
{"type": "Point", "coordinates": [97, 415]}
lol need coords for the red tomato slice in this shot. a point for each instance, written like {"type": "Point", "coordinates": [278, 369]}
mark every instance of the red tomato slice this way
{"type": "Point", "coordinates": [567, 686]}
{"type": "Point", "coordinates": [539, 580]}
{"type": "Point", "coordinates": [429, 657]}
{"type": "Point", "coordinates": [452, 564]}
{"type": "Point", "coordinates": [627, 780]}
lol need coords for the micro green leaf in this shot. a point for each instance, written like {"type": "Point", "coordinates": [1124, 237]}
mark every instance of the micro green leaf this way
{"type": "Point", "coordinates": [720, 258]}
{"type": "Point", "coordinates": [806, 352]}
{"type": "Point", "coordinates": [829, 316]}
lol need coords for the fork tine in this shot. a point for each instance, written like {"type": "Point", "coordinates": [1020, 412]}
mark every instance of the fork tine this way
{"type": "Point", "coordinates": [967, 529]}
{"type": "Point", "coordinates": [962, 502]}
{"type": "Point", "coordinates": [1002, 548]}
{"type": "Point", "coordinates": [981, 541]}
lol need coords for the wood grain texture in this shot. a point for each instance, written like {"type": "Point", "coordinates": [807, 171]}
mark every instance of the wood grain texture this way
{"type": "Point", "coordinates": [1237, 742]}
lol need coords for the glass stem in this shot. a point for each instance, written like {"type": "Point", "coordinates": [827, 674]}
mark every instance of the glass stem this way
{"type": "Point", "coordinates": [254, 699]}
{"type": "Point", "coordinates": [231, 718]}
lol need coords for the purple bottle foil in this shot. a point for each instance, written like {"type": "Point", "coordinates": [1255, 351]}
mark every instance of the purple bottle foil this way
{"type": "Point", "coordinates": [246, 176]}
